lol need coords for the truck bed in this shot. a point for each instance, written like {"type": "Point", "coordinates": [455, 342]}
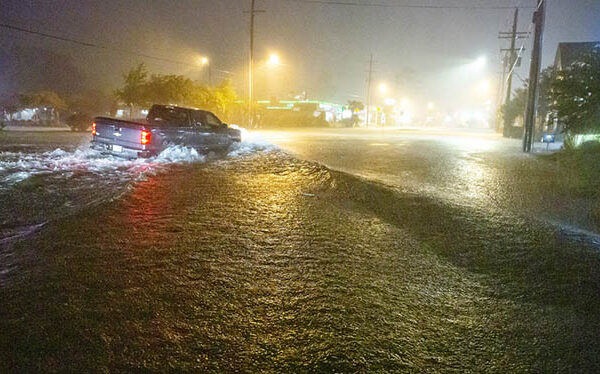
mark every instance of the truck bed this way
{"type": "Point", "coordinates": [122, 137]}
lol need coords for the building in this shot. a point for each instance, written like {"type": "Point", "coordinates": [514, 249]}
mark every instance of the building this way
{"type": "Point", "coordinates": [291, 113]}
{"type": "Point", "coordinates": [568, 53]}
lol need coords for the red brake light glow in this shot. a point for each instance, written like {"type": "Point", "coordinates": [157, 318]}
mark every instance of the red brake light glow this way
{"type": "Point", "coordinates": [94, 128]}
{"type": "Point", "coordinates": [146, 137]}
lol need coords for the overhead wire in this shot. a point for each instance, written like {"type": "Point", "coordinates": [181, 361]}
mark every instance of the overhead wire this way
{"type": "Point", "coordinates": [413, 6]}
{"type": "Point", "coordinates": [522, 48]}
{"type": "Point", "coordinates": [319, 2]}
{"type": "Point", "coordinates": [93, 45]}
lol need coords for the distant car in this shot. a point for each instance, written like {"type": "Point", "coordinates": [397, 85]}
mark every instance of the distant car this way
{"type": "Point", "coordinates": [548, 138]}
{"type": "Point", "coordinates": [164, 126]}
{"type": "Point", "coordinates": [79, 121]}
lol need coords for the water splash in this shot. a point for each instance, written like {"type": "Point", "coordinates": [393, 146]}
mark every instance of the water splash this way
{"type": "Point", "coordinates": [251, 142]}
{"type": "Point", "coordinates": [37, 187]}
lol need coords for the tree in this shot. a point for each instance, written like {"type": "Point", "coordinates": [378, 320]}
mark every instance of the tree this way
{"type": "Point", "coordinates": [10, 110]}
{"type": "Point", "coordinates": [355, 106]}
{"type": "Point", "coordinates": [515, 107]}
{"type": "Point", "coordinates": [9, 105]}
{"type": "Point", "coordinates": [170, 89]}
{"type": "Point", "coordinates": [45, 99]}
{"type": "Point", "coordinates": [546, 78]}
{"type": "Point", "coordinates": [135, 91]}
{"type": "Point", "coordinates": [222, 99]}
{"type": "Point", "coordinates": [92, 102]}
{"type": "Point", "coordinates": [575, 95]}
{"type": "Point", "coordinates": [140, 89]}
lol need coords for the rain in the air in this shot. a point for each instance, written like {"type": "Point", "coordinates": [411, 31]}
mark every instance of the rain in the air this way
{"type": "Point", "coordinates": [300, 186]}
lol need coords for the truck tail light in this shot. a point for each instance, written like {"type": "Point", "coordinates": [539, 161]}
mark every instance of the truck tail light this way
{"type": "Point", "coordinates": [146, 137]}
{"type": "Point", "coordinates": [94, 128]}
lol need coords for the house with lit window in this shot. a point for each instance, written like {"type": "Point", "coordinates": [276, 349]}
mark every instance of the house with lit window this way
{"type": "Point", "coordinates": [566, 55]}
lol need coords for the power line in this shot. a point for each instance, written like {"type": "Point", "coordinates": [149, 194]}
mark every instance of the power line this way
{"type": "Point", "coordinates": [528, 33]}
{"type": "Point", "coordinates": [414, 6]}
{"type": "Point", "coordinates": [513, 55]}
{"type": "Point", "coordinates": [93, 45]}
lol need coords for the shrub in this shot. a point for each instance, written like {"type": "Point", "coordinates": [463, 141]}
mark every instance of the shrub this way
{"type": "Point", "coordinates": [79, 121]}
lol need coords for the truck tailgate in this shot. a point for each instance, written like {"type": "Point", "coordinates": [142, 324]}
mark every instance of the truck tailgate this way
{"type": "Point", "coordinates": [119, 133]}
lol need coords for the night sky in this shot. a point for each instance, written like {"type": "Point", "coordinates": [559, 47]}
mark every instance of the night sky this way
{"type": "Point", "coordinates": [324, 48]}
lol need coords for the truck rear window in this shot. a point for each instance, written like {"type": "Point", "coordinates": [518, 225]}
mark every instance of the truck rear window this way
{"type": "Point", "coordinates": [168, 116]}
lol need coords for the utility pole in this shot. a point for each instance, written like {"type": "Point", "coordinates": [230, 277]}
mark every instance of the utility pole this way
{"type": "Point", "coordinates": [500, 97]}
{"type": "Point", "coordinates": [251, 67]}
{"type": "Point", "coordinates": [539, 18]}
{"type": "Point", "coordinates": [502, 80]}
{"type": "Point", "coordinates": [252, 12]}
{"type": "Point", "coordinates": [513, 56]}
{"type": "Point", "coordinates": [511, 60]}
{"type": "Point", "coordinates": [369, 88]}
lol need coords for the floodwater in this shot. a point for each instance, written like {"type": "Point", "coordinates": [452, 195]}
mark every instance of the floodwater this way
{"type": "Point", "coordinates": [405, 253]}
{"type": "Point", "coordinates": [468, 168]}
{"type": "Point", "coordinates": [45, 176]}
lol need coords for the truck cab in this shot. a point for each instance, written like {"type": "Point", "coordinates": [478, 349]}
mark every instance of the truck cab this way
{"type": "Point", "coordinates": [164, 126]}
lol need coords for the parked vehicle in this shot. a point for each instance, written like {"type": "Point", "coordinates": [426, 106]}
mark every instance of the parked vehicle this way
{"type": "Point", "coordinates": [79, 121]}
{"type": "Point", "coordinates": [164, 126]}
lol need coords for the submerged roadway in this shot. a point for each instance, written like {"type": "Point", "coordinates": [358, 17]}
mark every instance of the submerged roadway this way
{"type": "Point", "coordinates": [337, 251]}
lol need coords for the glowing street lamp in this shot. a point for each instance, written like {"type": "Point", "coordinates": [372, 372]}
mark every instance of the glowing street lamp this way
{"type": "Point", "coordinates": [389, 101]}
{"type": "Point", "coordinates": [204, 61]}
{"type": "Point", "coordinates": [273, 59]}
{"type": "Point", "coordinates": [484, 87]}
{"type": "Point", "coordinates": [479, 64]}
{"type": "Point", "coordinates": [383, 88]}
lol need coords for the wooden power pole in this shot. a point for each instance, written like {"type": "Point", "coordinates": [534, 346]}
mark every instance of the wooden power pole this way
{"type": "Point", "coordinates": [369, 78]}
{"type": "Point", "coordinates": [252, 12]}
{"type": "Point", "coordinates": [534, 74]}
{"type": "Point", "coordinates": [511, 61]}
{"type": "Point", "coordinates": [513, 56]}
{"type": "Point", "coordinates": [251, 67]}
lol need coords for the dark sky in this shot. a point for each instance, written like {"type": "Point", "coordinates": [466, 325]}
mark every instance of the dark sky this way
{"type": "Point", "coordinates": [324, 48]}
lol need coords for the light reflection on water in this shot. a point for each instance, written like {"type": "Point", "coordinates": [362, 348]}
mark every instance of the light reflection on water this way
{"type": "Point", "coordinates": [36, 187]}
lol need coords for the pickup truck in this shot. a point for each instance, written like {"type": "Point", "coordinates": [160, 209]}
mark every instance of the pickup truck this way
{"type": "Point", "coordinates": [165, 125]}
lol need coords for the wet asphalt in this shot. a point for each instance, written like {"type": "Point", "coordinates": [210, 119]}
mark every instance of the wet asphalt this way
{"type": "Point", "coordinates": [395, 252]}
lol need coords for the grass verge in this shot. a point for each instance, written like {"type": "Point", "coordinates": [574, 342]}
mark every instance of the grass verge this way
{"type": "Point", "coordinates": [579, 169]}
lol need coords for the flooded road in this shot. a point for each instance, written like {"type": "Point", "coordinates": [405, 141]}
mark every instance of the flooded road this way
{"type": "Point", "coordinates": [413, 257]}
{"type": "Point", "coordinates": [474, 168]}
{"type": "Point", "coordinates": [48, 175]}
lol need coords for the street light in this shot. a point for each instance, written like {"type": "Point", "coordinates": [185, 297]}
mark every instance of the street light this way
{"type": "Point", "coordinates": [389, 101]}
{"type": "Point", "coordinates": [383, 88]}
{"type": "Point", "coordinates": [273, 59]}
{"type": "Point", "coordinates": [204, 61]}
{"type": "Point", "coordinates": [484, 87]}
{"type": "Point", "coordinates": [479, 64]}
